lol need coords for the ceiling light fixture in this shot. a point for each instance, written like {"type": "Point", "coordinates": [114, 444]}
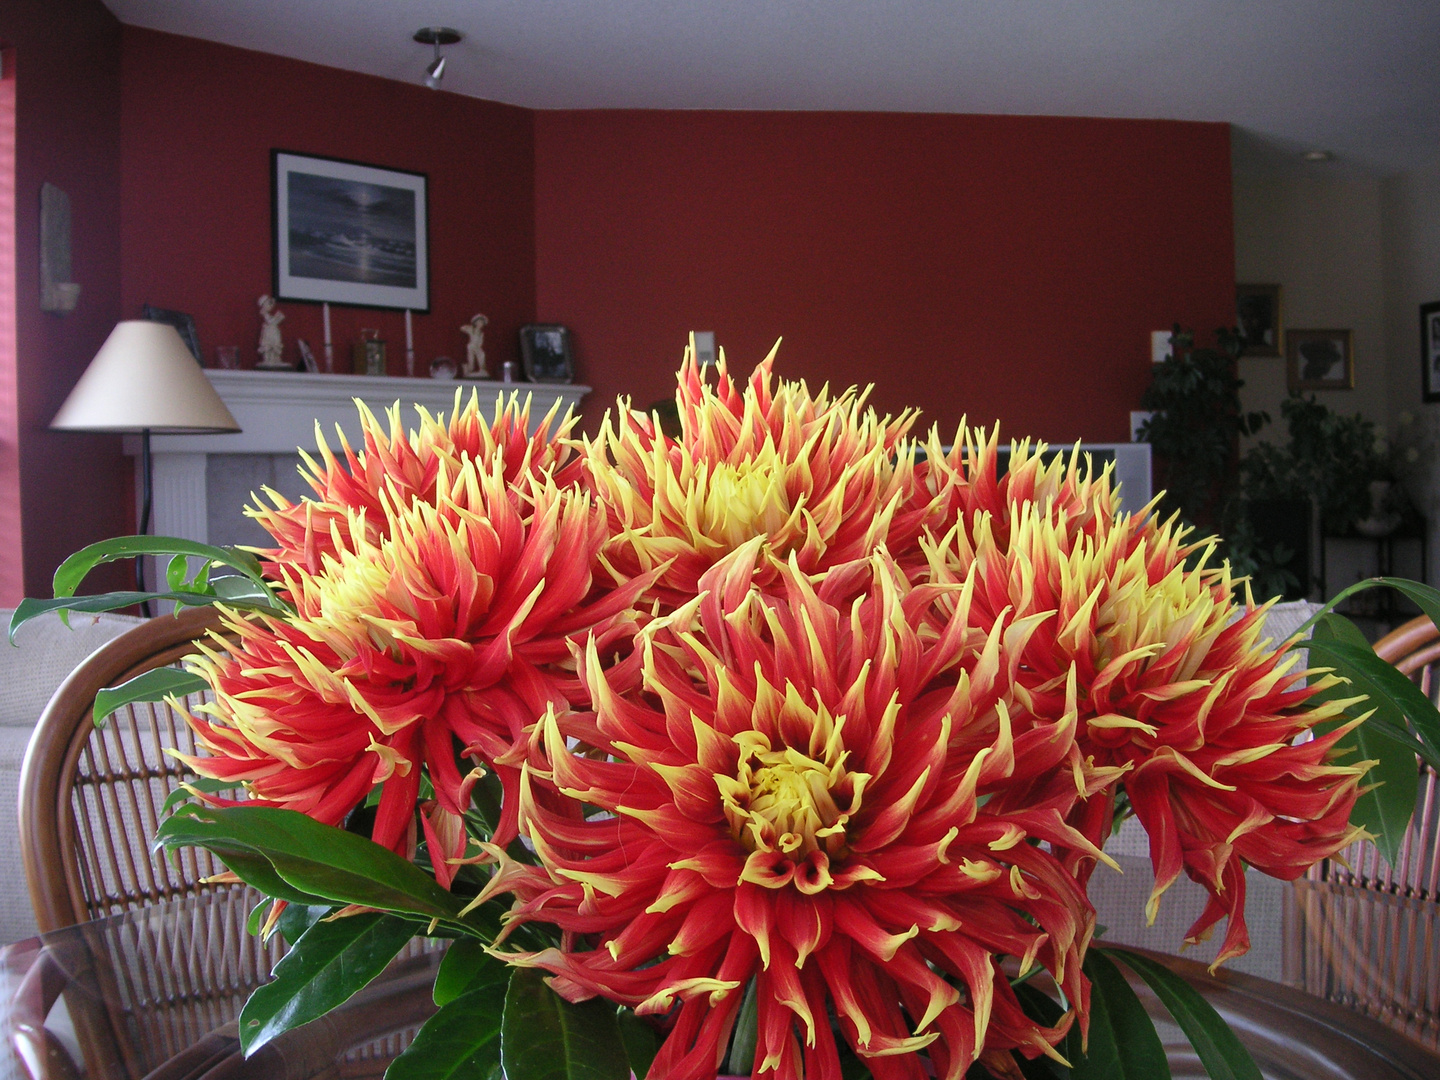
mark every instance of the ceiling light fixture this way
{"type": "Point", "coordinates": [1317, 156]}
{"type": "Point", "coordinates": [436, 36]}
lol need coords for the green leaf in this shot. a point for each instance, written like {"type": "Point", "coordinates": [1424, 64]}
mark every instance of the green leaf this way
{"type": "Point", "coordinates": [30, 608]}
{"type": "Point", "coordinates": [1425, 597]}
{"type": "Point", "coordinates": [298, 918]}
{"type": "Point", "coordinates": [1219, 1049]}
{"type": "Point", "coordinates": [545, 1037]}
{"type": "Point", "coordinates": [1385, 808]}
{"type": "Point", "coordinates": [196, 783]}
{"type": "Point", "coordinates": [1123, 1044]}
{"type": "Point", "coordinates": [742, 1047]}
{"type": "Point", "coordinates": [1400, 708]}
{"type": "Point", "coordinates": [153, 685]}
{"type": "Point", "coordinates": [177, 572]}
{"type": "Point", "coordinates": [311, 858]}
{"type": "Point", "coordinates": [460, 1042]}
{"type": "Point", "coordinates": [257, 917]}
{"type": "Point", "coordinates": [641, 1044]}
{"type": "Point", "coordinates": [466, 966]}
{"type": "Point", "coordinates": [325, 967]}
{"type": "Point", "coordinates": [233, 589]}
{"type": "Point", "coordinates": [74, 570]}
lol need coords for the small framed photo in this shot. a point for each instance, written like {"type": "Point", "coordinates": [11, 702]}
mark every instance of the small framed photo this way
{"type": "Point", "coordinates": [1430, 349]}
{"type": "Point", "coordinates": [1257, 314]}
{"type": "Point", "coordinates": [545, 353]}
{"type": "Point", "coordinates": [347, 233]}
{"type": "Point", "coordinates": [1319, 360]}
{"type": "Point", "coordinates": [183, 323]}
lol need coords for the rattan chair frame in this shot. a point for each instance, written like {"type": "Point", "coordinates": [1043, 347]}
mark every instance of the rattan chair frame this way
{"type": "Point", "coordinates": [51, 844]}
{"type": "Point", "coordinates": [1368, 931]}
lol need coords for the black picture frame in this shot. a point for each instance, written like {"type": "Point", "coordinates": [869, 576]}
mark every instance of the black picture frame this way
{"type": "Point", "coordinates": [347, 233]}
{"type": "Point", "coordinates": [1257, 317]}
{"type": "Point", "coordinates": [1319, 360]}
{"type": "Point", "coordinates": [545, 353]}
{"type": "Point", "coordinates": [1430, 350]}
{"type": "Point", "coordinates": [183, 323]}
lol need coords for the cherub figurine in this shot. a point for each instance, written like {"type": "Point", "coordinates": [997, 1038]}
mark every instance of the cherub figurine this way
{"type": "Point", "coordinates": [475, 352]}
{"type": "Point", "coordinates": [272, 345]}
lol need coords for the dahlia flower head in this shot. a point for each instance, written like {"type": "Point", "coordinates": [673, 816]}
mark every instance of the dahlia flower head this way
{"type": "Point", "coordinates": [435, 583]}
{"type": "Point", "coordinates": [790, 704]}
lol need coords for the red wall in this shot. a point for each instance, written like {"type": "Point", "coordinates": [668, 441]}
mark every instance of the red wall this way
{"type": "Point", "coordinates": [73, 489]}
{"type": "Point", "coordinates": [198, 122]}
{"type": "Point", "coordinates": [1011, 267]}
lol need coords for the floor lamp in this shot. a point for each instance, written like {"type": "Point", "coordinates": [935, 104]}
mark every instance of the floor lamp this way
{"type": "Point", "coordinates": [144, 379]}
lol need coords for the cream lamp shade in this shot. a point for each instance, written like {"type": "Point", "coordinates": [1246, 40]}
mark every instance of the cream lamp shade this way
{"type": "Point", "coordinates": [144, 379]}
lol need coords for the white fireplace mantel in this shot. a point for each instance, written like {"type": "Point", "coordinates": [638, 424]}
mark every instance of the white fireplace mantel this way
{"type": "Point", "coordinates": [278, 411]}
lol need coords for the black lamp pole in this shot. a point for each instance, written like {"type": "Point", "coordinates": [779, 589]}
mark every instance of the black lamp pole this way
{"type": "Point", "coordinates": [147, 497]}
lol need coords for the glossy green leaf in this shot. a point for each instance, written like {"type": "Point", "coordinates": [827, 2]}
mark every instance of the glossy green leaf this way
{"type": "Point", "coordinates": [234, 588]}
{"type": "Point", "coordinates": [545, 1037]}
{"type": "Point", "coordinates": [186, 791]}
{"type": "Point", "coordinates": [177, 572]}
{"type": "Point", "coordinates": [1386, 805]}
{"type": "Point", "coordinates": [466, 966]}
{"type": "Point", "coordinates": [153, 685]}
{"type": "Point", "coordinates": [742, 1044]}
{"type": "Point", "coordinates": [460, 1042]}
{"type": "Point", "coordinates": [315, 859]}
{"type": "Point", "coordinates": [1401, 710]}
{"type": "Point", "coordinates": [641, 1042]}
{"type": "Point", "coordinates": [1123, 1044]}
{"type": "Point", "coordinates": [30, 608]}
{"type": "Point", "coordinates": [1424, 596]}
{"type": "Point", "coordinates": [298, 918]}
{"type": "Point", "coordinates": [1218, 1047]}
{"type": "Point", "coordinates": [257, 916]}
{"type": "Point", "coordinates": [330, 962]}
{"type": "Point", "coordinates": [74, 570]}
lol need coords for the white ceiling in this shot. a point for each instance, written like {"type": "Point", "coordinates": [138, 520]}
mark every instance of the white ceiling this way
{"type": "Point", "coordinates": [1360, 78]}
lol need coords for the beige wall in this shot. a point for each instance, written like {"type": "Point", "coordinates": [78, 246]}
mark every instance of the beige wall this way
{"type": "Point", "coordinates": [1350, 249]}
{"type": "Point", "coordinates": [1315, 230]}
{"type": "Point", "coordinates": [1410, 210]}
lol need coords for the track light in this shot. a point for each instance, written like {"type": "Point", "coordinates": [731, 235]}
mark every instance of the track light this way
{"type": "Point", "coordinates": [436, 36]}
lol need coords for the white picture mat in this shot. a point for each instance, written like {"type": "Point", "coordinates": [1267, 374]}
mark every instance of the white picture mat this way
{"type": "Point", "coordinates": [290, 287]}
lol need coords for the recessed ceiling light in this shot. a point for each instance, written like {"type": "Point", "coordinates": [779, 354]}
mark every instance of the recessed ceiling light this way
{"type": "Point", "coordinates": [1318, 155]}
{"type": "Point", "coordinates": [436, 36]}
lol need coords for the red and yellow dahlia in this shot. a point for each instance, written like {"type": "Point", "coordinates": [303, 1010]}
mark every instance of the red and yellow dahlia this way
{"type": "Point", "coordinates": [406, 468]}
{"type": "Point", "coordinates": [447, 631]}
{"type": "Point", "coordinates": [1176, 689]}
{"type": "Point", "coordinates": [822, 478]}
{"type": "Point", "coordinates": [781, 796]}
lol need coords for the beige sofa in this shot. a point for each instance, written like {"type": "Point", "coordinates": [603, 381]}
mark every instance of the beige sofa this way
{"type": "Point", "coordinates": [45, 652]}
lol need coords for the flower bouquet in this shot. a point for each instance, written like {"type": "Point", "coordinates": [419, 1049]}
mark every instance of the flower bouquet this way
{"type": "Point", "coordinates": [786, 746]}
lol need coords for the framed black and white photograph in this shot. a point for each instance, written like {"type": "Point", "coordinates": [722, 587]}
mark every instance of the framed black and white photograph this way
{"type": "Point", "coordinates": [1319, 360]}
{"type": "Point", "coordinates": [347, 233]}
{"type": "Point", "coordinates": [1430, 349]}
{"type": "Point", "coordinates": [184, 325]}
{"type": "Point", "coordinates": [545, 353]}
{"type": "Point", "coordinates": [1257, 315]}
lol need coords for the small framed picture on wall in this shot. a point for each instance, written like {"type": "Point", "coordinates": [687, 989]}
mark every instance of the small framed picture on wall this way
{"type": "Point", "coordinates": [1257, 314]}
{"type": "Point", "coordinates": [1430, 349]}
{"type": "Point", "coordinates": [1319, 360]}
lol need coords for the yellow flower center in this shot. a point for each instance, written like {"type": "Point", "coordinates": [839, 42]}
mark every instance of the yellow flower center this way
{"type": "Point", "coordinates": [735, 502]}
{"type": "Point", "coordinates": [790, 793]}
{"type": "Point", "coordinates": [790, 801]}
